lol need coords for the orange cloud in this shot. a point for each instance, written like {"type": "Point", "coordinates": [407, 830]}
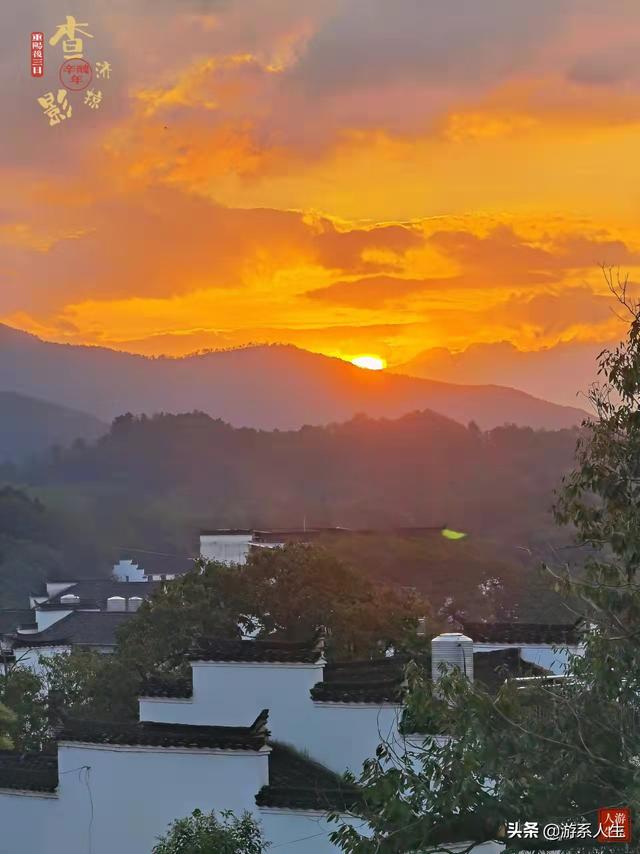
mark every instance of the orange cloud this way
{"type": "Point", "coordinates": [500, 259]}
{"type": "Point", "coordinates": [336, 175]}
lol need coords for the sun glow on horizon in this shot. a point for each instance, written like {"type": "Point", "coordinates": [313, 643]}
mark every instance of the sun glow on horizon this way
{"type": "Point", "coordinates": [370, 363]}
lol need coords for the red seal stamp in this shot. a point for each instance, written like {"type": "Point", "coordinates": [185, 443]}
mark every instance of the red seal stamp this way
{"type": "Point", "coordinates": [614, 825]}
{"type": "Point", "coordinates": [75, 74]}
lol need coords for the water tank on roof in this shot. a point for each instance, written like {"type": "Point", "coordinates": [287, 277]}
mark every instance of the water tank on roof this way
{"type": "Point", "coordinates": [135, 602]}
{"type": "Point", "coordinates": [69, 599]}
{"type": "Point", "coordinates": [451, 650]}
{"type": "Point", "coordinates": [116, 603]}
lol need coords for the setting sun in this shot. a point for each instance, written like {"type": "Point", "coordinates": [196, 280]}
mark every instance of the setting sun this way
{"type": "Point", "coordinates": [371, 363]}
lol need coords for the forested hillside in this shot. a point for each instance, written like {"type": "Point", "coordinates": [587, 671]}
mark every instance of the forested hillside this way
{"type": "Point", "coordinates": [267, 386]}
{"type": "Point", "coordinates": [30, 426]}
{"type": "Point", "coordinates": [151, 483]}
{"type": "Point", "coordinates": [422, 469]}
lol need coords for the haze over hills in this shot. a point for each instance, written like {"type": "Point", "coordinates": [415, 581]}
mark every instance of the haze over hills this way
{"type": "Point", "coordinates": [270, 387]}
{"type": "Point", "coordinates": [29, 426]}
{"type": "Point", "coordinates": [557, 373]}
{"type": "Point", "coordinates": [152, 483]}
{"type": "Point", "coordinates": [144, 488]}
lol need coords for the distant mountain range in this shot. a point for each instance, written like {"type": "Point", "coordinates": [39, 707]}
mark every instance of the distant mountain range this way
{"type": "Point", "coordinates": [268, 387]}
{"type": "Point", "coordinates": [29, 426]}
{"type": "Point", "coordinates": [557, 373]}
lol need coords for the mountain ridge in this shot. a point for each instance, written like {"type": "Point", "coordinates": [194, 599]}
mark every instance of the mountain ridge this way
{"type": "Point", "coordinates": [269, 386]}
{"type": "Point", "coordinates": [30, 425]}
{"type": "Point", "coordinates": [556, 373]}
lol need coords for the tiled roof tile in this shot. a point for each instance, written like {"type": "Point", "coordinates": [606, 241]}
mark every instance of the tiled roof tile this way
{"type": "Point", "coordinates": [374, 681]}
{"type": "Point", "coordinates": [167, 735]}
{"type": "Point", "coordinates": [80, 628]}
{"type": "Point", "coordinates": [97, 591]}
{"type": "Point", "coordinates": [381, 680]}
{"type": "Point", "coordinates": [168, 685]}
{"type": "Point", "coordinates": [297, 782]}
{"type": "Point", "coordinates": [525, 633]}
{"type": "Point", "coordinates": [37, 772]}
{"type": "Point", "coordinates": [11, 618]}
{"type": "Point", "coordinates": [263, 651]}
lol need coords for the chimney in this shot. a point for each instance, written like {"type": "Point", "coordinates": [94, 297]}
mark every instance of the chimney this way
{"type": "Point", "coordinates": [69, 599]}
{"type": "Point", "coordinates": [422, 627]}
{"type": "Point", "coordinates": [134, 603]}
{"type": "Point", "coordinates": [453, 649]}
{"type": "Point", "coordinates": [116, 603]}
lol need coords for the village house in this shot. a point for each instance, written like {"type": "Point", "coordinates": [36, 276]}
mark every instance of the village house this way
{"type": "Point", "coordinates": [82, 614]}
{"type": "Point", "coordinates": [233, 545]}
{"type": "Point", "coordinates": [263, 726]}
{"type": "Point", "coordinates": [86, 614]}
{"type": "Point", "coordinates": [74, 614]}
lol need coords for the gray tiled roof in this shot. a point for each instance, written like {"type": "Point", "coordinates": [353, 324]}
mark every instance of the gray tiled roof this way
{"type": "Point", "coordinates": [168, 685]}
{"type": "Point", "coordinates": [214, 649]}
{"type": "Point", "coordinates": [381, 680]}
{"type": "Point", "coordinates": [99, 590]}
{"type": "Point", "coordinates": [529, 633]}
{"type": "Point", "coordinates": [36, 772]}
{"type": "Point", "coordinates": [297, 782]}
{"type": "Point", "coordinates": [12, 618]}
{"type": "Point", "coordinates": [370, 681]}
{"type": "Point", "coordinates": [80, 628]}
{"type": "Point", "coordinates": [253, 737]}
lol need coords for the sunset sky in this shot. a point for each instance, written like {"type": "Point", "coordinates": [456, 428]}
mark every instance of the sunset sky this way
{"type": "Point", "coordinates": [351, 176]}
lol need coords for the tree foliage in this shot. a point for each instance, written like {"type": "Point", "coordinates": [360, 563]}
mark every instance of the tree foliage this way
{"type": "Point", "coordinates": [290, 591]}
{"type": "Point", "coordinates": [21, 692]}
{"type": "Point", "coordinates": [205, 833]}
{"type": "Point", "coordinates": [152, 482]}
{"type": "Point", "coordinates": [548, 750]}
{"type": "Point", "coordinates": [7, 719]}
{"type": "Point", "coordinates": [285, 592]}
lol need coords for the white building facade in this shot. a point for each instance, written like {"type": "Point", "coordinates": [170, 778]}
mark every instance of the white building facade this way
{"type": "Point", "coordinates": [261, 726]}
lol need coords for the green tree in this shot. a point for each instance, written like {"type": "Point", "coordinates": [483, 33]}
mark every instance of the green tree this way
{"type": "Point", "coordinates": [204, 833]}
{"type": "Point", "coordinates": [291, 591]}
{"type": "Point", "coordinates": [287, 592]}
{"type": "Point", "coordinates": [85, 683]}
{"type": "Point", "coordinates": [201, 602]}
{"type": "Point", "coordinates": [21, 691]}
{"type": "Point", "coordinates": [548, 750]}
{"type": "Point", "coordinates": [7, 719]}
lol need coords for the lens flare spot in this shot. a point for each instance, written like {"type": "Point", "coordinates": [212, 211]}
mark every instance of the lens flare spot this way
{"type": "Point", "coordinates": [448, 534]}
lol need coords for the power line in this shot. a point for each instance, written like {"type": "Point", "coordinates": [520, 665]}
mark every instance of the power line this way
{"type": "Point", "coordinates": [151, 552]}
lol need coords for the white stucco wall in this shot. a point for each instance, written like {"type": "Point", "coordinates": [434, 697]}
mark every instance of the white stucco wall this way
{"type": "Point", "coordinates": [31, 657]}
{"type": "Point", "coordinates": [226, 548]}
{"type": "Point", "coordinates": [47, 618]}
{"type": "Point", "coordinates": [127, 570]}
{"type": "Point", "coordinates": [299, 832]}
{"type": "Point", "coordinates": [91, 815]}
{"type": "Point", "coordinates": [121, 799]}
{"type": "Point", "coordinates": [542, 654]}
{"type": "Point", "coordinates": [28, 823]}
{"type": "Point", "coordinates": [340, 735]}
{"type": "Point", "coordinates": [234, 693]}
{"type": "Point", "coordinates": [343, 735]}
